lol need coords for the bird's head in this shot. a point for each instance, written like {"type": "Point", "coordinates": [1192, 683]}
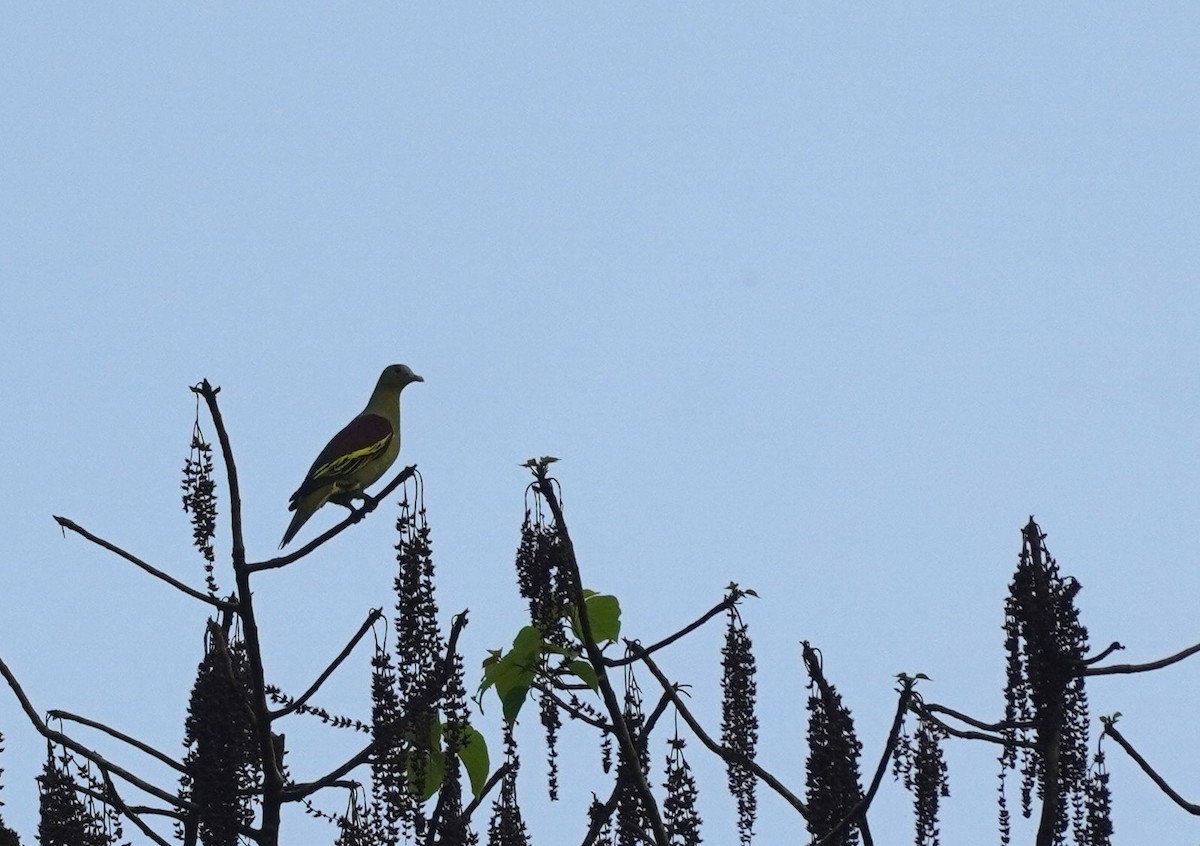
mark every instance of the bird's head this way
{"type": "Point", "coordinates": [397, 376]}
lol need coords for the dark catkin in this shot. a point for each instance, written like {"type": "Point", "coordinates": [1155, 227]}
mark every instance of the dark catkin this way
{"type": "Point", "coordinates": [919, 762]}
{"type": "Point", "coordinates": [354, 826]}
{"type": "Point", "coordinates": [200, 499]}
{"type": "Point", "coordinates": [542, 573]}
{"type": "Point", "coordinates": [506, 827]}
{"type": "Point", "coordinates": [419, 646]}
{"type": "Point", "coordinates": [387, 766]}
{"type": "Point", "coordinates": [1098, 829]}
{"type": "Point", "coordinates": [739, 723]}
{"type": "Point", "coordinates": [542, 579]}
{"type": "Point", "coordinates": [833, 779]}
{"type": "Point", "coordinates": [64, 819]}
{"type": "Point", "coordinates": [679, 808]}
{"type": "Point", "coordinates": [8, 837]}
{"type": "Point", "coordinates": [1046, 710]}
{"type": "Point", "coordinates": [222, 767]}
{"type": "Point", "coordinates": [454, 830]}
{"type": "Point", "coordinates": [631, 816]}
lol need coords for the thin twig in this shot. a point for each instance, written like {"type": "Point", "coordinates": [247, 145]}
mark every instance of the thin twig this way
{"type": "Point", "coordinates": [724, 605]}
{"type": "Point", "coordinates": [723, 752]}
{"type": "Point", "coordinates": [496, 777]}
{"type": "Point", "coordinates": [370, 503]}
{"type": "Point", "coordinates": [112, 732]}
{"type": "Point", "coordinates": [1112, 732]}
{"type": "Point", "coordinates": [296, 792]}
{"type": "Point", "coordinates": [933, 707]}
{"type": "Point", "coordinates": [65, 523]}
{"type": "Point", "coordinates": [114, 798]}
{"type": "Point", "coordinates": [1142, 668]}
{"type": "Point", "coordinates": [372, 618]}
{"type": "Point", "coordinates": [1115, 646]}
{"type": "Point", "coordinates": [572, 712]}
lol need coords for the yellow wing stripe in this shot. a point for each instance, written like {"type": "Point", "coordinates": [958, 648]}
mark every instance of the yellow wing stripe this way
{"type": "Point", "coordinates": [345, 465]}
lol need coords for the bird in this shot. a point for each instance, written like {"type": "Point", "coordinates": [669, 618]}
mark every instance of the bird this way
{"type": "Point", "coordinates": [358, 455]}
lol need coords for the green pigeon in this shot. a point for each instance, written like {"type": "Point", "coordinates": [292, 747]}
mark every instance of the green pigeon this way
{"type": "Point", "coordinates": [356, 456]}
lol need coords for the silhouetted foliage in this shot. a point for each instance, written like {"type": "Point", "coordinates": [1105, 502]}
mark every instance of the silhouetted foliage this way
{"type": "Point", "coordinates": [65, 819]}
{"type": "Point", "coordinates": [222, 765]}
{"type": "Point", "coordinates": [507, 828]}
{"type": "Point", "coordinates": [679, 808]}
{"type": "Point", "coordinates": [833, 786]}
{"type": "Point", "coordinates": [739, 723]}
{"type": "Point", "coordinates": [631, 815]}
{"type": "Point", "coordinates": [8, 837]}
{"type": "Point", "coordinates": [1046, 710]}
{"type": "Point", "coordinates": [200, 500]}
{"type": "Point", "coordinates": [354, 826]}
{"type": "Point", "coordinates": [1099, 827]}
{"type": "Point", "coordinates": [920, 764]}
{"type": "Point", "coordinates": [422, 744]}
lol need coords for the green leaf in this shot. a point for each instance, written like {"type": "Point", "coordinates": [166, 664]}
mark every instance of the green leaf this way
{"type": "Point", "coordinates": [586, 673]}
{"type": "Point", "coordinates": [474, 755]}
{"type": "Point", "coordinates": [512, 673]}
{"type": "Point", "coordinates": [604, 613]}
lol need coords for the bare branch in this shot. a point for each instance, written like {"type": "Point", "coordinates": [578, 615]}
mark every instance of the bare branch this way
{"type": "Point", "coordinates": [572, 712]}
{"type": "Point", "coordinates": [723, 752]}
{"type": "Point", "coordinates": [724, 605]}
{"type": "Point", "coordinates": [615, 712]}
{"type": "Point", "coordinates": [370, 503]}
{"type": "Point", "coordinates": [114, 798]}
{"type": "Point", "coordinates": [209, 393]}
{"type": "Point", "coordinates": [926, 712]}
{"type": "Point", "coordinates": [112, 732]}
{"type": "Point", "coordinates": [272, 776]}
{"type": "Point", "coordinates": [496, 777]}
{"type": "Point", "coordinates": [64, 523]}
{"type": "Point", "coordinates": [933, 707]}
{"type": "Point", "coordinates": [296, 792]}
{"type": "Point", "coordinates": [858, 814]}
{"type": "Point", "coordinates": [372, 618]}
{"type": "Point", "coordinates": [77, 747]}
{"type": "Point", "coordinates": [1112, 732]}
{"type": "Point", "coordinates": [1142, 668]}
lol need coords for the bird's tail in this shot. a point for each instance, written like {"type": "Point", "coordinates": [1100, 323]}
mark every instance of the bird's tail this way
{"type": "Point", "coordinates": [305, 507]}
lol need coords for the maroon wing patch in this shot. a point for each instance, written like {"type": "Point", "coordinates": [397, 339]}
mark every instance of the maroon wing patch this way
{"type": "Point", "coordinates": [363, 438]}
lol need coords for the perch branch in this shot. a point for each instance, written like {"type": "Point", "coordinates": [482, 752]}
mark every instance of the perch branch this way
{"type": "Point", "coordinates": [370, 503]}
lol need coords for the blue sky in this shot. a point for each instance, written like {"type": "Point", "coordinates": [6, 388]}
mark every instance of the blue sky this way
{"type": "Point", "coordinates": [825, 300]}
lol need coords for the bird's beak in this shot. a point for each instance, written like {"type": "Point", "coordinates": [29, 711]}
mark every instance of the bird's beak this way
{"type": "Point", "coordinates": [417, 378]}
